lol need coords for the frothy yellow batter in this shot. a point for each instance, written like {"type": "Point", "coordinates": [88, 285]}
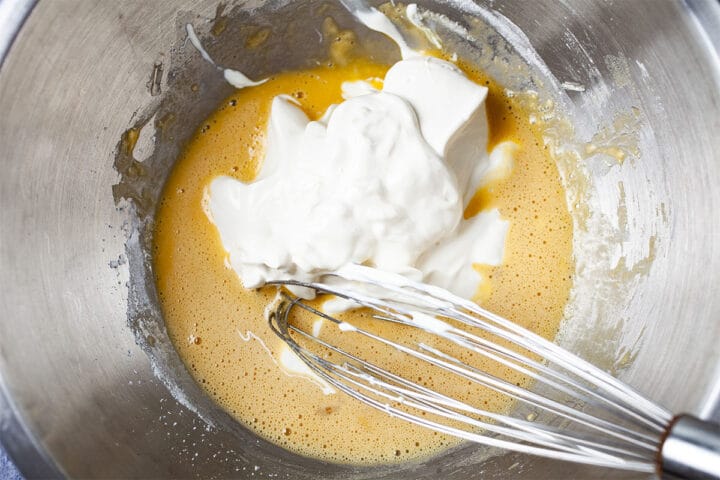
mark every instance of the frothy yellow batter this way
{"type": "Point", "coordinates": [219, 328]}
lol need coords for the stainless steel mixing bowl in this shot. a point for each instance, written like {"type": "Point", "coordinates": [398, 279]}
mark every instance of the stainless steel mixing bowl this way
{"type": "Point", "coordinates": [90, 387]}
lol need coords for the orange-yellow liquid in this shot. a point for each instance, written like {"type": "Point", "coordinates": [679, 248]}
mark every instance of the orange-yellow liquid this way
{"type": "Point", "coordinates": [219, 328]}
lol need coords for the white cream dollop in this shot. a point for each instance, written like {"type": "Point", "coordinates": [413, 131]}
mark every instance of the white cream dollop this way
{"type": "Point", "coordinates": [382, 179]}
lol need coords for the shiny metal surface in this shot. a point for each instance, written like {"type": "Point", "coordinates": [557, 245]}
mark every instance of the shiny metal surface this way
{"type": "Point", "coordinates": [691, 450]}
{"type": "Point", "coordinates": [80, 397]}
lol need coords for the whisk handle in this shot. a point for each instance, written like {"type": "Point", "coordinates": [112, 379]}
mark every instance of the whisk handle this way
{"type": "Point", "coordinates": [691, 450]}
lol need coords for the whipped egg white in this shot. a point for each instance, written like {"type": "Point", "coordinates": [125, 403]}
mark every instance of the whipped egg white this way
{"type": "Point", "coordinates": [382, 179]}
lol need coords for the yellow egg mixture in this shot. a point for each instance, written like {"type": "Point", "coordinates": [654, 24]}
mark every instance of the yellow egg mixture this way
{"type": "Point", "coordinates": [219, 328]}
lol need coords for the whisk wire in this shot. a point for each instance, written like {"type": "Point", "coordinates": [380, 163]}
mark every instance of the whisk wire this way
{"type": "Point", "coordinates": [553, 446]}
{"type": "Point", "coordinates": [515, 360]}
{"type": "Point", "coordinates": [432, 300]}
{"type": "Point", "coordinates": [435, 400]}
{"type": "Point", "coordinates": [626, 407]}
{"type": "Point", "coordinates": [552, 406]}
{"type": "Point", "coordinates": [447, 304]}
{"type": "Point", "coordinates": [612, 425]}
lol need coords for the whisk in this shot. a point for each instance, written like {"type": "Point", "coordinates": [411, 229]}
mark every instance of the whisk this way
{"type": "Point", "coordinates": [570, 410]}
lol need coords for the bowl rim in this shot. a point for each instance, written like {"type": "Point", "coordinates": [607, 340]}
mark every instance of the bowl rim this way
{"type": "Point", "coordinates": [26, 449]}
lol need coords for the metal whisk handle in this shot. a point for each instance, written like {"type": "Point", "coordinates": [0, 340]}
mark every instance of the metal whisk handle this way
{"type": "Point", "coordinates": [691, 450]}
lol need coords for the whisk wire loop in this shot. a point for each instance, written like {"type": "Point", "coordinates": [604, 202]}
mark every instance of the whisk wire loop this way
{"type": "Point", "coordinates": [341, 377]}
{"type": "Point", "coordinates": [606, 423]}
